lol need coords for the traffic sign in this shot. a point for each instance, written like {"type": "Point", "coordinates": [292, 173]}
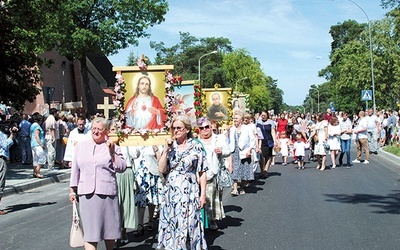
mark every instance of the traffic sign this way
{"type": "Point", "coordinates": [48, 94]}
{"type": "Point", "coordinates": [366, 95]}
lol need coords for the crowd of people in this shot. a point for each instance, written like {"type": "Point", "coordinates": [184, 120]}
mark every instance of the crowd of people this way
{"type": "Point", "coordinates": [181, 182]}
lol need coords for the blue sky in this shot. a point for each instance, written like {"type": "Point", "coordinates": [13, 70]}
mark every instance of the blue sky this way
{"type": "Point", "coordinates": [290, 38]}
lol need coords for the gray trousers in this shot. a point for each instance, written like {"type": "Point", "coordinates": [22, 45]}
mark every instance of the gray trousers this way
{"type": "Point", "coordinates": [372, 141]}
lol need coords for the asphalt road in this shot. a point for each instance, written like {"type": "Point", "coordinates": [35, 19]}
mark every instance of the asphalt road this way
{"type": "Point", "coordinates": [355, 208]}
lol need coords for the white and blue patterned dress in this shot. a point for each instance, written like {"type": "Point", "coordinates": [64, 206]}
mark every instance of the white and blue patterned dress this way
{"type": "Point", "coordinates": [242, 170]}
{"type": "Point", "coordinates": [180, 216]}
{"type": "Point", "coordinates": [147, 177]}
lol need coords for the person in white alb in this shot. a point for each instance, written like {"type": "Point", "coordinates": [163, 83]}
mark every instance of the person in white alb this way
{"type": "Point", "coordinates": [78, 134]}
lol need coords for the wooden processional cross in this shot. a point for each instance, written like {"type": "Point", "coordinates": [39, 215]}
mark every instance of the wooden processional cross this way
{"type": "Point", "coordinates": [106, 106]}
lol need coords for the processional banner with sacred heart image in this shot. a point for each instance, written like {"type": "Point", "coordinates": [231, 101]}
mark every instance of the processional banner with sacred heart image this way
{"type": "Point", "coordinates": [144, 104]}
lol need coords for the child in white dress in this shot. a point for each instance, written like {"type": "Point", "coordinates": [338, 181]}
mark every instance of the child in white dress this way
{"type": "Point", "coordinates": [284, 145]}
{"type": "Point", "coordinates": [334, 133]}
{"type": "Point", "coordinates": [299, 147]}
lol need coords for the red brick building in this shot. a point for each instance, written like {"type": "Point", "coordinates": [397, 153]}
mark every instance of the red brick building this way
{"type": "Point", "coordinates": [66, 78]}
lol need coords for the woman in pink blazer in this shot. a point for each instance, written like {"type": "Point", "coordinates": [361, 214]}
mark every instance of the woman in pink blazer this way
{"type": "Point", "coordinates": [93, 180]}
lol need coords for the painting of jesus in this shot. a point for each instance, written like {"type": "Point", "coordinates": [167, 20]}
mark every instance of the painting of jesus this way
{"type": "Point", "coordinates": [144, 109]}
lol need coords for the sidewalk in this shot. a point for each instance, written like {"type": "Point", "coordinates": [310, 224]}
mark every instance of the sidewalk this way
{"type": "Point", "coordinates": [19, 178]}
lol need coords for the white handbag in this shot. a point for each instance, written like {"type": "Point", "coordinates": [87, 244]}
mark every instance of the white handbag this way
{"type": "Point", "coordinates": [76, 235]}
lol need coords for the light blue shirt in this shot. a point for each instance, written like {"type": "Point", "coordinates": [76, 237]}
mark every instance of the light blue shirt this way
{"type": "Point", "coordinates": [34, 143]}
{"type": "Point", "coordinates": [5, 144]}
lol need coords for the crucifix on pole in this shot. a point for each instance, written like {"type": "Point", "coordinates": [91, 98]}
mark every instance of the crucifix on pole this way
{"type": "Point", "coordinates": [106, 106]}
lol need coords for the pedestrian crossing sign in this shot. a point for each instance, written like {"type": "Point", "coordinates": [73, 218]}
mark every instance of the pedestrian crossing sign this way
{"type": "Point", "coordinates": [366, 95]}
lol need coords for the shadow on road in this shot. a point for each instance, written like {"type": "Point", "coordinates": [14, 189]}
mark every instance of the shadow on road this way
{"type": "Point", "coordinates": [228, 221]}
{"type": "Point", "coordinates": [149, 239]}
{"type": "Point", "coordinates": [389, 204]}
{"type": "Point", "coordinates": [19, 207]}
{"type": "Point", "coordinates": [230, 208]}
{"type": "Point", "coordinates": [273, 174]}
{"type": "Point", "coordinates": [253, 188]}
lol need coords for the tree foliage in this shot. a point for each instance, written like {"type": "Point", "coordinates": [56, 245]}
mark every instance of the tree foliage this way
{"type": "Point", "coordinates": [104, 27]}
{"type": "Point", "coordinates": [185, 57]}
{"type": "Point", "coordinates": [390, 3]}
{"type": "Point", "coordinates": [75, 28]}
{"type": "Point", "coordinates": [238, 65]}
{"type": "Point", "coordinates": [25, 33]}
{"type": "Point", "coordinates": [229, 68]}
{"type": "Point", "coordinates": [350, 69]}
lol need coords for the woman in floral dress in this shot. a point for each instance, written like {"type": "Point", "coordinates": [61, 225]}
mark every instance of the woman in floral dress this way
{"type": "Point", "coordinates": [149, 186]}
{"type": "Point", "coordinates": [184, 164]}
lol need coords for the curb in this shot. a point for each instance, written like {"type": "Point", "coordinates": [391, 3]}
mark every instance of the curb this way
{"type": "Point", "coordinates": [390, 156]}
{"type": "Point", "coordinates": [34, 183]}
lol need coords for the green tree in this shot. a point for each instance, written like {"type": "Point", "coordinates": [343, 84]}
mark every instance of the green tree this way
{"type": "Point", "coordinates": [27, 30]}
{"type": "Point", "coordinates": [75, 28]}
{"type": "Point", "coordinates": [276, 96]}
{"type": "Point", "coordinates": [239, 64]}
{"type": "Point", "coordinates": [104, 27]}
{"type": "Point", "coordinates": [228, 68]}
{"type": "Point", "coordinates": [349, 71]}
{"type": "Point", "coordinates": [185, 55]}
{"type": "Point", "coordinates": [386, 62]}
{"type": "Point", "coordinates": [390, 3]}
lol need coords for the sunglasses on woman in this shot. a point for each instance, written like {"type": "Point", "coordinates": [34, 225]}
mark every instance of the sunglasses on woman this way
{"type": "Point", "coordinates": [178, 128]}
{"type": "Point", "coordinates": [205, 127]}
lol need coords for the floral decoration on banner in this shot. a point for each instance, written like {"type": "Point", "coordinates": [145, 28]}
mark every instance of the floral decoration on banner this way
{"type": "Point", "coordinates": [247, 101]}
{"type": "Point", "coordinates": [141, 62]}
{"type": "Point", "coordinates": [119, 101]}
{"type": "Point", "coordinates": [230, 109]}
{"type": "Point", "coordinates": [121, 130]}
{"type": "Point", "coordinates": [170, 82]}
{"type": "Point", "coordinates": [198, 100]}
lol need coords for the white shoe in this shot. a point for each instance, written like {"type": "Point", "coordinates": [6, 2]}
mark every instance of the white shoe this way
{"type": "Point", "coordinates": [366, 162]}
{"type": "Point", "coordinates": [356, 161]}
{"type": "Point", "coordinates": [333, 166]}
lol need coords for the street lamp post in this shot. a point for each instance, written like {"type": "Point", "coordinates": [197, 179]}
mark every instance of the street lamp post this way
{"type": "Point", "coordinates": [213, 52]}
{"type": "Point", "coordinates": [370, 53]}
{"type": "Point", "coordinates": [244, 78]}
{"type": "Point", "coordinates": [318, 98]}
{"type": "Point", "coordinates": [63, 67]}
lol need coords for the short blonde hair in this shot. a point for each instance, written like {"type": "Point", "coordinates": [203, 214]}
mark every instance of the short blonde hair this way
{"type": "Point", "coordinates": [186, 122]}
